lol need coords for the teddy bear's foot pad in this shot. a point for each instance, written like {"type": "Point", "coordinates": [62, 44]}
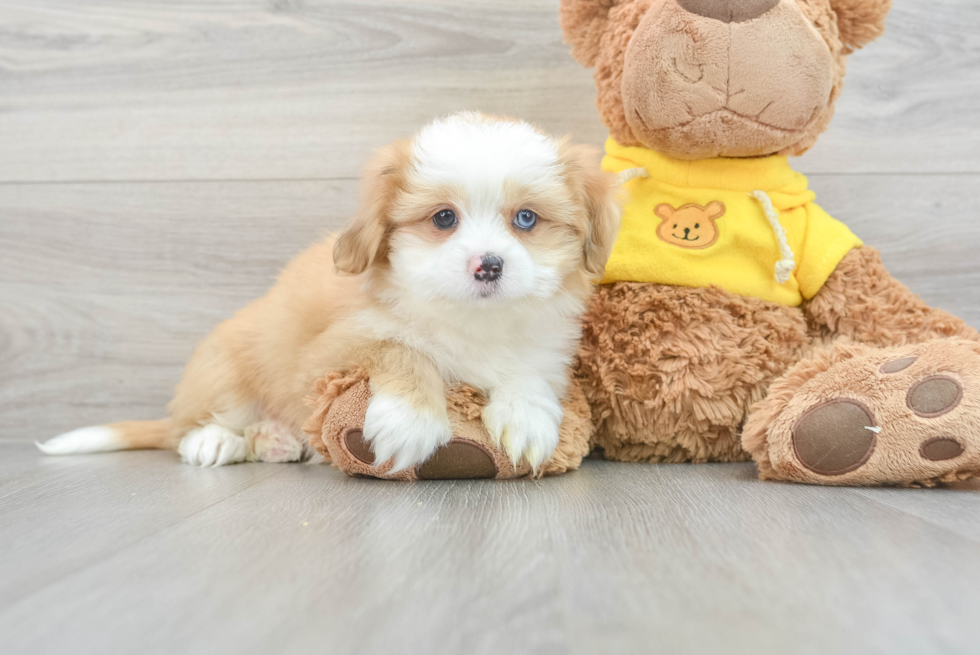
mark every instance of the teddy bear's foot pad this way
{"type": "Point", "coordinates": [460, 459]}
{"type": "Point", "coordinates": [856, 415]}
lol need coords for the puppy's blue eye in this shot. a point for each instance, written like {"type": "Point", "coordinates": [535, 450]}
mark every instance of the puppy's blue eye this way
{"type": "Point", "coordinates": [445, 220]}
{"type": "Point", "coordinates": [525, 219]}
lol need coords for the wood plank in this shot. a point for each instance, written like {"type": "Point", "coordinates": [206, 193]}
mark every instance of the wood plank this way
{"type": "Point", "coordinates": [59, 515]}
{"type": "Point", "coordinates": [614, 558]}
{"type": "Point", "coordinates": [245, 89]}
{"type": "Point", "coordinates": [105, 289]}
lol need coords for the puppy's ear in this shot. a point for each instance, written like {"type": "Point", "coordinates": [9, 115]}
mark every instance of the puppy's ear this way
{"type": "Point", "coordinates": [583, 22]}
{"type": "Point", "coordinates": [364, 241]}
{"type": "Point", "coordinates": [665, 212]}
{"type": "Point", "coordinates": [860, 21]}
{"type": "Point", "coordinates": [596, 191]}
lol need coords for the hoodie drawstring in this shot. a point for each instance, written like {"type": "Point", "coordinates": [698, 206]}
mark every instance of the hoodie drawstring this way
{"type": "Point", "coordinates": [632, 174]}
{"type": "Point", "coordinates": [786, 265]}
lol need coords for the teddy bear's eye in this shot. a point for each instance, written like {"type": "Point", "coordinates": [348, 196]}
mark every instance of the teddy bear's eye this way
{"type": "Point", "coordinates": [675, 225]}
{"type": "Point", "coordinates": [697, 225]}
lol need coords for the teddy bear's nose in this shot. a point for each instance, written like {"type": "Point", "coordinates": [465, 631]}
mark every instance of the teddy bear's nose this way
{"type": "Point", "coordinates": [728, 11]}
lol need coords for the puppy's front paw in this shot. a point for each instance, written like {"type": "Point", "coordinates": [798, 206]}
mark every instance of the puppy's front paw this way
{"type": "Point", "coordinates": [212, 445]}
{"type": "Point", "coordinates": [524, 425]}
{"type": "Point", "coordinates": [396, 429]}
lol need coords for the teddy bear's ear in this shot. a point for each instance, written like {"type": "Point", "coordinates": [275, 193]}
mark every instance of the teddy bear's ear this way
{"type": "Point", "coordinates": [714, 210]}
{"type": "Point", "coordinates": [583, 23]}
{"type": "Point", "coordinates": [666, 212]}
{"type": "Point", "coordinates": [860, 21]}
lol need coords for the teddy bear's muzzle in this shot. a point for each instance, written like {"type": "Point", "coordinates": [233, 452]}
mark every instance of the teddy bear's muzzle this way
{"type": "Point", "coordinates": [729, 78]}
{"type": "Point", "coordinates": [728, 11]}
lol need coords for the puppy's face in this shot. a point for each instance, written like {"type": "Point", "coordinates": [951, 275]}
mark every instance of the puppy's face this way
{"type": "Point", "coordinates": [479, 210]}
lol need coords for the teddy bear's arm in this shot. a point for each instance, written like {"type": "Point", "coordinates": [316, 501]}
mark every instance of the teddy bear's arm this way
{"type": "Point", "coordinates": [863, 302]}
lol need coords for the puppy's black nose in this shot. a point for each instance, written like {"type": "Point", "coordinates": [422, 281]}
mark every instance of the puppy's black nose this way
{"type": "Point", "coordinates": [491, 267]}
{"type": "Point", "coordinates": [687, 231]}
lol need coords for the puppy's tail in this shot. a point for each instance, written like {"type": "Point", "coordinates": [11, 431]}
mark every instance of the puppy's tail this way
{"type": "Point", "coordinates": [127, 435]}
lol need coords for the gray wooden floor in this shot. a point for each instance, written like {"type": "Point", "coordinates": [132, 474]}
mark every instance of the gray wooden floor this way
{"type": "Point", "coordinates": [161, 159]}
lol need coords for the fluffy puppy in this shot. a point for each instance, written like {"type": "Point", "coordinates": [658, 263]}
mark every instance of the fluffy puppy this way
{"type": "Point", "coordinates": [470, 260]}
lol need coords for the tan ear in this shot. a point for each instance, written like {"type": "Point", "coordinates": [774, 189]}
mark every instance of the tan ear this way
{"type": "Point", "coordinates": [583, 22]}
{"type": "Point", "coordinates": [860, 21]}
{"type": "Point", "coordinates": [364, 240]}
{"type": "Point", "coordinates": [714, 210]}
{"type": "Point", "coordinates": [596, 191]}
{"type": "Point", "coordinates": [665, 212]}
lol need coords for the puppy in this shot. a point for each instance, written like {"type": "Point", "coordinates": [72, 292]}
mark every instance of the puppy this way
{"type": "Point", "coordinates": [470, 260]}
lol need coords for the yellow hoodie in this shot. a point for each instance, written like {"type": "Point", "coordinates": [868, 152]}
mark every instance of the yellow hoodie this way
{"type": "Point", "coordinates": [719, 222]}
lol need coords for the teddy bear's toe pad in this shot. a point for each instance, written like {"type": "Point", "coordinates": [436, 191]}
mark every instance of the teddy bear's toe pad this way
{"type": "Point", "coordinates": [835, 437]}
{"type": "Point", "coordinates": [358, 446]}
{"type": "Point", "coordinates": [934, 396]}
{"type": "Point", "coordinates": [460, 459]}
{"type": "Point", "coordinates": [858, 415]}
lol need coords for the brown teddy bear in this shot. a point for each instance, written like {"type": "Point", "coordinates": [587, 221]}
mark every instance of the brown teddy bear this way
{"type": "Point", "coordinates": [737, 319]}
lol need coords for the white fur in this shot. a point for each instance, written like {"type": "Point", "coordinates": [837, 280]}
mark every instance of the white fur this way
{"type": "Point", "coordinates": [468, 148]}
{"type": "Point", "coordinates": [96, 439]}
{"type": "Point", "coordinates": [477, 158]}
{"type": "Point", "coordinates": [524, 419]}
{"type": "Point", "coordinates": [212, 445]}
{"type": "Point", "coordinates": [396, 429]}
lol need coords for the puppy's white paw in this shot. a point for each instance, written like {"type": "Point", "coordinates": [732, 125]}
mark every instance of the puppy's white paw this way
{"type": "Point", "coordinates": [524, 425]}
{"type": "Point", "coordinates": [212, 445]}
{"type": "Point", "coordinates": [394, 428]}
{"type": "Point", "coordinates": [272, 441]}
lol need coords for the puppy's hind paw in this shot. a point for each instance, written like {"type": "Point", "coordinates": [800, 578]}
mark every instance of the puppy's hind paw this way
{"type": "Point", "coordinates": [272, 441]}
{"type": "Point", "coordinates": [212, 445]}
{"type": "Point", "coordinates": [397, 430]}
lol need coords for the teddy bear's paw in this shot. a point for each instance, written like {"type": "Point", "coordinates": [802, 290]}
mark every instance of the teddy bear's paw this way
{"type": "Point", "coordinates": [272, 441]}
{"type": "Point", "coordinates": [899, 416]}
{"type": "Point", "coordinates": [400, 432]}
{"type": "Point", "coordinates": [524, 426]}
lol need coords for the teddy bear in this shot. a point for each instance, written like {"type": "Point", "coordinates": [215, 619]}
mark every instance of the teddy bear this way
{"type": "Point", "coordinates": [737, 319]}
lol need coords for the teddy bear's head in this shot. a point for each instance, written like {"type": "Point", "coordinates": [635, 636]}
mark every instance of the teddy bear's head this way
{"type": "Point", "coordinates": [695, 79]}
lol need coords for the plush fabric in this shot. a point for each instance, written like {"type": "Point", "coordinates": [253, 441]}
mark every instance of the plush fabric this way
{"type": "Point", "coordinates": [340, 402]}
{"type": "Point", "coordinates": [900, 445]}
{"type": "Point", "coordinates": [694, 223]}
{"type": "Point", "coordinates": [851, 378]}
{"type": "Point", "coordinates": [694, 87]}
{"type": "Point", "coordinates": [670, 372]}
